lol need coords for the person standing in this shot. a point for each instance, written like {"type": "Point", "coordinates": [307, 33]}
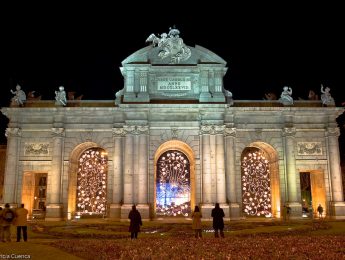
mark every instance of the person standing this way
{"type": "Point", "coordinates": [1, 228]}
{"type": "Point", "coordinates": [8, 216]}
{"type": "Point", "coordinates": [21, 222]}
{"type": "Point", "coordinates": [196, 224]}
{"type": "Point", "coordinates": [135, 222]}
{"type": "Point", "coordinates": [320, 210]}
{"type": "Point", "coordinates": [218, 222]}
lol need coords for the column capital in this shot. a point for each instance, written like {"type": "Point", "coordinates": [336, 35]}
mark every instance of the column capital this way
{"type": "Point", "coordinates": [289, 131]}
{"type": "Point", "coordinates": [332, 131]}
{"type": "Point", "coordinates": [118, 132]}
{"type": "Point", "coordinates": [13, 132]}
{"type": "Point", "coordinates": [230, 131]}
{"type": "Point", "coordinates": [212, 129]}
{"type": "Point", "coordinates": [58, 132]}
{"type": "Point", "coordinates": [136, 129]}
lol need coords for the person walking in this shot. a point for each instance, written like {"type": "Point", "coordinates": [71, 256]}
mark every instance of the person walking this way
{"type": "Point", "coordinates": [196, 224]}
{"type": "Point", "coordinates": [21, 222]}
{"type": "Point", "coordinates": [8, 216]}
{"type": "Point", "coordinates": [320, 210]}
{"type": "Point", "coordinates": [218, 222]}
{"type": "Point", "coordinates": [135, 222]}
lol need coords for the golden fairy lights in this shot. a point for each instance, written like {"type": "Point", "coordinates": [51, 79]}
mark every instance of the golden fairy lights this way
{"type": "Point", "coordinates": [173, 184]}
{"type": "Point", "coordinates": [256, 190]}
{"type": "Point", "coordinates": [91, 182]}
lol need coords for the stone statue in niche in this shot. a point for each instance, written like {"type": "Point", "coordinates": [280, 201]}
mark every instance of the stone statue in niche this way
{"type": "Point", "coordinates": [60, 97]}
{"type": "Point", "coordinates": [170, 45]}
{"type": "Point", "coordinates": [326, 98]}
{"type": "Point", "coordinates": [285, 96]}
{"type": "Point", "coordinates": [19, 96]}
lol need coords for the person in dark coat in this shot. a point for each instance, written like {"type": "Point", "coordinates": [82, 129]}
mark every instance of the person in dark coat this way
{"type": "Point", "coordinates": [218, 223]}
{"type": "Point", "coordinates": [134, 226]}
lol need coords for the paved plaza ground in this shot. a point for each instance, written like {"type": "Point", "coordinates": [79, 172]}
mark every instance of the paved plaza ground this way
{"type": "Point", "coordinates": [247, 239]}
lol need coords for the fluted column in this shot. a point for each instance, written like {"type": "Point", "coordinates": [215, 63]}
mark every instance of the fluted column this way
{"type": "Point", "coordinates": [289, 136]}
{"type": "Point", "coordinates": [143, 164]}
{"type": "Point", "coordinates": [293, 188]}
{"type": "Point", "coordinates": [337, 204]}
{"type": "Point", "coordinates": [54, 206]}
{"type": "Point", "coordinates": [332, 135]}
{"type": "Point", "coordinates": [230, 136]}
{"type": "Point", "coordinates": [55, 178]}
{"type": "Point", "coordinates": [128, 167]}
{"type": "Point", "coordinates": [206, 165]}
{"type": "Point", "coordinates": [220, 164]}
{"type": "Point", "coordinates": [118, 136]}
{"type": "Point", "coordinates": [11, 169]}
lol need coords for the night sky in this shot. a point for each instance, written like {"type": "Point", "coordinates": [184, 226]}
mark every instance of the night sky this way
{"type": "Point", "coordinates": [82, 48]}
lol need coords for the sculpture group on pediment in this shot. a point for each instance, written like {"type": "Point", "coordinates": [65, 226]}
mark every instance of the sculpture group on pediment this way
{"type": "Point", "coordinates": [170, 45]}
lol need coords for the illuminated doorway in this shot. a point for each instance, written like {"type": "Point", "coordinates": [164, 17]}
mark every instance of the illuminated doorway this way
{"type": "Point", "coordinates": [173, 185]}
{"type": "Point", "coordinates": [313, 192]}
{"type": "Point", "coordinates": [91, 199]}
{"type": "Point", "coordinates": [34, 193]}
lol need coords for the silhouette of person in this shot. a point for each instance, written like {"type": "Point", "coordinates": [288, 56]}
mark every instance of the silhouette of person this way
{"type": "Point", "coordinates": [320, 210]}
{"type": "Point", "coordinates": [196, 224]}
{"type": "Point", "coordinates": [135, 223]}
{"type": "Point", "coordinates": [21, 222]}
{"type": "Point", "coordinates": [218, 222]}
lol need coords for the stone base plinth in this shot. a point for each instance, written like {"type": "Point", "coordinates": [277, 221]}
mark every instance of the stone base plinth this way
{"type": "Point", "coordinates": [54, 212]}
{"type": "Point", "coordinates": [337, 209]}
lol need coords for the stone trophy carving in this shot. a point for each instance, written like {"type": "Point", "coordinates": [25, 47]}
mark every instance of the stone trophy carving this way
{"type": "Point", "coordinates": [326, 98]}
{"type": "Point", "coordinates": [60, 97]}
{"type": "Point", "coordinates": [285, 96]}
{"type": "Point", "coordinates": [170, 45]}
{"type": "Point", "coordinates": [19, 97]}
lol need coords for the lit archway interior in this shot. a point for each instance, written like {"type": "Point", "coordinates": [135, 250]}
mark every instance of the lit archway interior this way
{"type": "Point", "coordinates": [260, 181]}
{"type": "Point", "coordinates": [173, 186]}
{"type": "Point", "coordinates": [92, 182]}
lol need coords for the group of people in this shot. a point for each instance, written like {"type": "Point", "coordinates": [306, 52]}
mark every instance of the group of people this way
{"type": "Point", "coordinates": [217, 214]}
{"type": "Point", "coordinates": [17, 217]}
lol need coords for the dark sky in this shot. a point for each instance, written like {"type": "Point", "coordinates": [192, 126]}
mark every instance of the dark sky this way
{"type": "Point", "coordinates": [82, 48]}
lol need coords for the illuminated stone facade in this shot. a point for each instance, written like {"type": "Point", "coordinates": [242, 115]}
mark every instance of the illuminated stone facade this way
{"type": "Point", "coordinates": [170, 142]}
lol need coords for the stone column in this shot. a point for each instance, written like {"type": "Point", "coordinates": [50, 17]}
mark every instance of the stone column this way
{"type": "Point", "coordinates": [220, 164]}
{"type": "Point", "coordinates": [143, 205]}
{"type": "Point", "coordinates": [54, 205]}
{"type": "Point", "coordinates": [230, 150]}
{"type": "Point", "coordinates": [293, 188]}
{"type": "Point", "coordinates": [206, 165]}
{"type": "Point", "coordinates": [11, 168]}
{"type": "Point", "coordinates": [337, 204]}
{"type": "Point", "coordinates": [117, 196]}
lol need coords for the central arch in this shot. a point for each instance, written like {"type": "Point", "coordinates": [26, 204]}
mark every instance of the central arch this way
{"type": "Point", "coordinates": [178, 159]}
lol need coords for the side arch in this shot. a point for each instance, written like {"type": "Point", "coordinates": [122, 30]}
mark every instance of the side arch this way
{"type": "Point", "coordinates": [272, 157]}
{"type": "Point", "coordinates": [72, 175]}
